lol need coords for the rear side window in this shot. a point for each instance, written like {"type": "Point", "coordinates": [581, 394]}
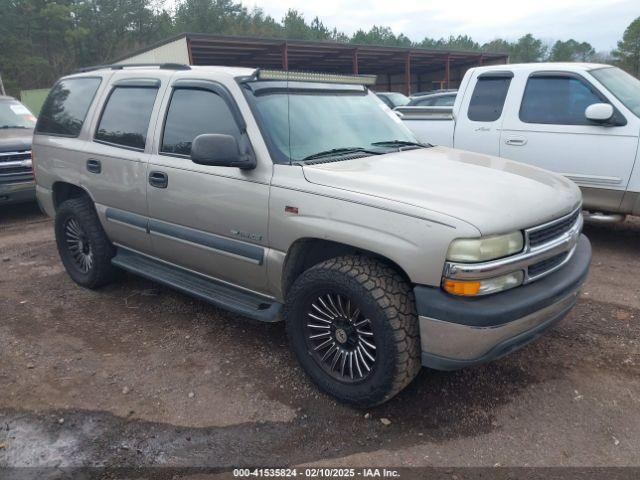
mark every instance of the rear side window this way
{"type": "Point", "coordinates": [195, 112]}
{"type": "Point", "coordinates": [125, 118]}
{"type": "Point", "coordinates": [557, 100]}
{"type": "Point", "coordinates": [488, 99]}
{"type": "Point", "coordinates": [66, 107]}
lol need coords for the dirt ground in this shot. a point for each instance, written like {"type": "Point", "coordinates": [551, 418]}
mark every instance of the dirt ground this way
{"type": "Point", "coordinates": [137, 374]}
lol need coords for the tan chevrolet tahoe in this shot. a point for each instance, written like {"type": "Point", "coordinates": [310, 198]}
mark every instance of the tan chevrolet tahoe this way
{"type": "Point", "coordinates": [302, 197]}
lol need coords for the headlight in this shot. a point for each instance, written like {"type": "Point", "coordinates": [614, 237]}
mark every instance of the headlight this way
{"type": "Point", "coordinates": [483, 287]}
{"type": "Point", "coordinates": [470, 250]}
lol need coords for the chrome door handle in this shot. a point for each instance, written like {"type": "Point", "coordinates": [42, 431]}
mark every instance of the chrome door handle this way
{"type": "Point", "coordinates": [94, 166]}
{"type": "Point", "coordinates": [516, 142]}
{"type": "Point", "coordinates": [158, 179]}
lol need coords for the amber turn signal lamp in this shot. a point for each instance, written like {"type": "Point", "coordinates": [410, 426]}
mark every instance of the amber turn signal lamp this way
{"type": "Point", "coordinates": [468, 289]}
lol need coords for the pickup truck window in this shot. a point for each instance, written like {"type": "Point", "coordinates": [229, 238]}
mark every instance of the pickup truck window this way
{"type": "Point", "coordinates": [125, 118]}
{"type": "Point", "coordinates": [488, 98]}
{"type": "Point", "coordinates": [622, 85]}
{"type": "Point", "coordinates": [66, 106]}
{"type": "Point", "coordinates": [195, 112]}
{"type": "Point", "coordinates": [301, 124]}
{"type": "Point", "coordinates": [557, 100]}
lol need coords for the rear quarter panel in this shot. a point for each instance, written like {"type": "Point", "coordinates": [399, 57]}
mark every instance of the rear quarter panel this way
{"type": "Point", "coordinates": [62, 159]}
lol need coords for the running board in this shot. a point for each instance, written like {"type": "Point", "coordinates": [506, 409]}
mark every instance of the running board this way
{"type": "Point", "coordinates": [221, 295]}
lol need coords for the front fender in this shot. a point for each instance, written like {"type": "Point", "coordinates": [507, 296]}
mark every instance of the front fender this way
{"type": "Point", "coordinates": [417, 245]}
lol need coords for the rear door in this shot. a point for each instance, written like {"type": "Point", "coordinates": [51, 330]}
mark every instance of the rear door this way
{"type": "Point", "coordinates": [548, 128]}
{"type": "Point", "coordinates": [478, 128]}
{"type": "Point", "coordinates": [115, 164]}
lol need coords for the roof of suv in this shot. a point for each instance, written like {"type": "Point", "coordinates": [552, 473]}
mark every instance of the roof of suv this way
{"type": "Point", "coordinates": [198, 69]}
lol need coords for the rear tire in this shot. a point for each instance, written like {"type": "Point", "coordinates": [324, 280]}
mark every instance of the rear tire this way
{"type": "Point", "coordinates": [364, 311]}
{"type": "Point", "coordinates": [84, 248]}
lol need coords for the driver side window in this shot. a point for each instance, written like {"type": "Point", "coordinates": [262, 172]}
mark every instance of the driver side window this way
{"type": "Point", "coordinates": [194, 112]}
{"type": "Point", "coordinates": [557, 100]}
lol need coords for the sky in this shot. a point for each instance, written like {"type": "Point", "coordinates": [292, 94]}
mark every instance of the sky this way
{"type": "Point", "coordinates": [600, 22]}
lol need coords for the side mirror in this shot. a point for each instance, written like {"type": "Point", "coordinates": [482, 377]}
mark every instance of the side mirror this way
{"type": "Point", "coordinates": [599, 112]}
{"type": "Point", "coordinates": [221, 151]}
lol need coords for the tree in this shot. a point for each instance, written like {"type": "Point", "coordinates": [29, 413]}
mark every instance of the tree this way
{"type": "Point", "coordinates": [207, 16]}
{"type": "Point", "coordinates": [40, 40]}
{"type": "Point", "coordinates": [527, 49]}
{"type": "Point", "coordinates": [497, 46]}
{"type": "Point", "coordinates": [295, 25]}
{"type": "Point", "coordinates": [461, 42]}
{"type": "Point", "coordinates": [571, 51]}
{"type": "Point", "coordinates": [35, 42]}
{"type": "Point", "coordinates": [628, 52]}
{"type": "Point", "coordinates": [379, 35]}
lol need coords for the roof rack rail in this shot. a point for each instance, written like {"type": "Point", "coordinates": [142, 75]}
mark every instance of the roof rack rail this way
{"type": "Point", "coordinates": [122, 66]}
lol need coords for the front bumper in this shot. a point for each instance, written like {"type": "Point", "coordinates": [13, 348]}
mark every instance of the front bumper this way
{"type": "Point", "coordinates": [17, 192]}
{"type": "Point", "coordinates": [457, 332]}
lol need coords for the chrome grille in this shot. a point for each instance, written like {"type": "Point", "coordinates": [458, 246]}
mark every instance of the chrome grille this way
{"type": "Point", "coordinates": [548, 252]}
{"type": "Point", "coordinates": [15, 167]}
{"type": "Point", "coordinates": [14, 156]}
{"type": "Point", "coordinates": [546, 265]}
{"type": "Point", "coordinates": [545, 233]}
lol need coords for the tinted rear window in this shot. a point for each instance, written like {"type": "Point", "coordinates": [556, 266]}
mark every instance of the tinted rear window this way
{"type": "Point", "coordinates": [488, 99]}
{"type": "Point", "coordinates": [125, 118]}
{"type": "Point", "coordinates": [66, 107]}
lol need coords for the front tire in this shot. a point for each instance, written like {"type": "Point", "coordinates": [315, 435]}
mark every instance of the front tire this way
{"type": "Point", "coordinates": [352, 324]}
{"type": "Point", "coordinates": [84, 248]}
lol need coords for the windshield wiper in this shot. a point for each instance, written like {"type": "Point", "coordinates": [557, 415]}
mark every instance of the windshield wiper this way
{"type": "Point", "coordinates": [339, 151]}
{"type": "Point", "coordinates": [12, 126]}
{"type": "Point", "coordinates": [400, 143]}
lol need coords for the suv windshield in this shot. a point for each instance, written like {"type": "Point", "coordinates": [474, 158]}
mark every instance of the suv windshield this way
{"type": "Point", "coordinates": [15, 115]}
{"type": "Point", "coordinates": [301, 124]}
{"type": "Point", "coordinates": [622, 85]}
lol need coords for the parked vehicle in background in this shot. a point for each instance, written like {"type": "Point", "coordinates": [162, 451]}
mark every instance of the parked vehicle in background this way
{"type": "Point", "coordinates": [578, 119]}
{"type": "Point", "coordinates": [440, 99]}
{"type": "Point", "coordinates": [393, 99]}
{"type": "Point", "coordinates": [299, 197]}
{"type": "Point", "coordinates": [16, 130]}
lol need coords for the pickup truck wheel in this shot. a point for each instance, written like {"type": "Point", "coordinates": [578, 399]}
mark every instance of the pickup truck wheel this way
{"type": "Point", "coordinates": [352, 324]}
{"type": "Point", "coordinates": [83, 245]}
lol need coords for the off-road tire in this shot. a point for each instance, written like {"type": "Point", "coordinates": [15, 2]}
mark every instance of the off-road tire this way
{"type": "Point", "coordinates": [82, 210]}
{"type": "Point", "coordinates": [387, 300]}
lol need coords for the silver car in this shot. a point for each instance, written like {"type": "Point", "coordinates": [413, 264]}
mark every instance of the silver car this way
{"type": "Point", "coordinates": [16, 131]}
{"type": "Point", "coordinates": [301, 197]}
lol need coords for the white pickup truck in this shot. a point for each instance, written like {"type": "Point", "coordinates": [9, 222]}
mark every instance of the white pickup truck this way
{"type": "Point", "coordinates": [581, 120]}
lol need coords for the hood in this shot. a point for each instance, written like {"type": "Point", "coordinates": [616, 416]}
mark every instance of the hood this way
{"type": "Point", "coordinates": [15, 139]}
{"type": "Point", "coordinates": [493, 194]}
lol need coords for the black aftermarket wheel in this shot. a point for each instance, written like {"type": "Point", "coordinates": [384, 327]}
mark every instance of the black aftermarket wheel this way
{"type": "Point", "coordinates": [82, 244]}
{"type": "Point", "coordinates": [352, 324]}
{"type": "Point", "coordinates": [339, 337]}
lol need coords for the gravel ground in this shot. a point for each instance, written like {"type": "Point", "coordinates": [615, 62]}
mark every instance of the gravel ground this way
{"type": "Point", "coordinates": [136, 374]}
